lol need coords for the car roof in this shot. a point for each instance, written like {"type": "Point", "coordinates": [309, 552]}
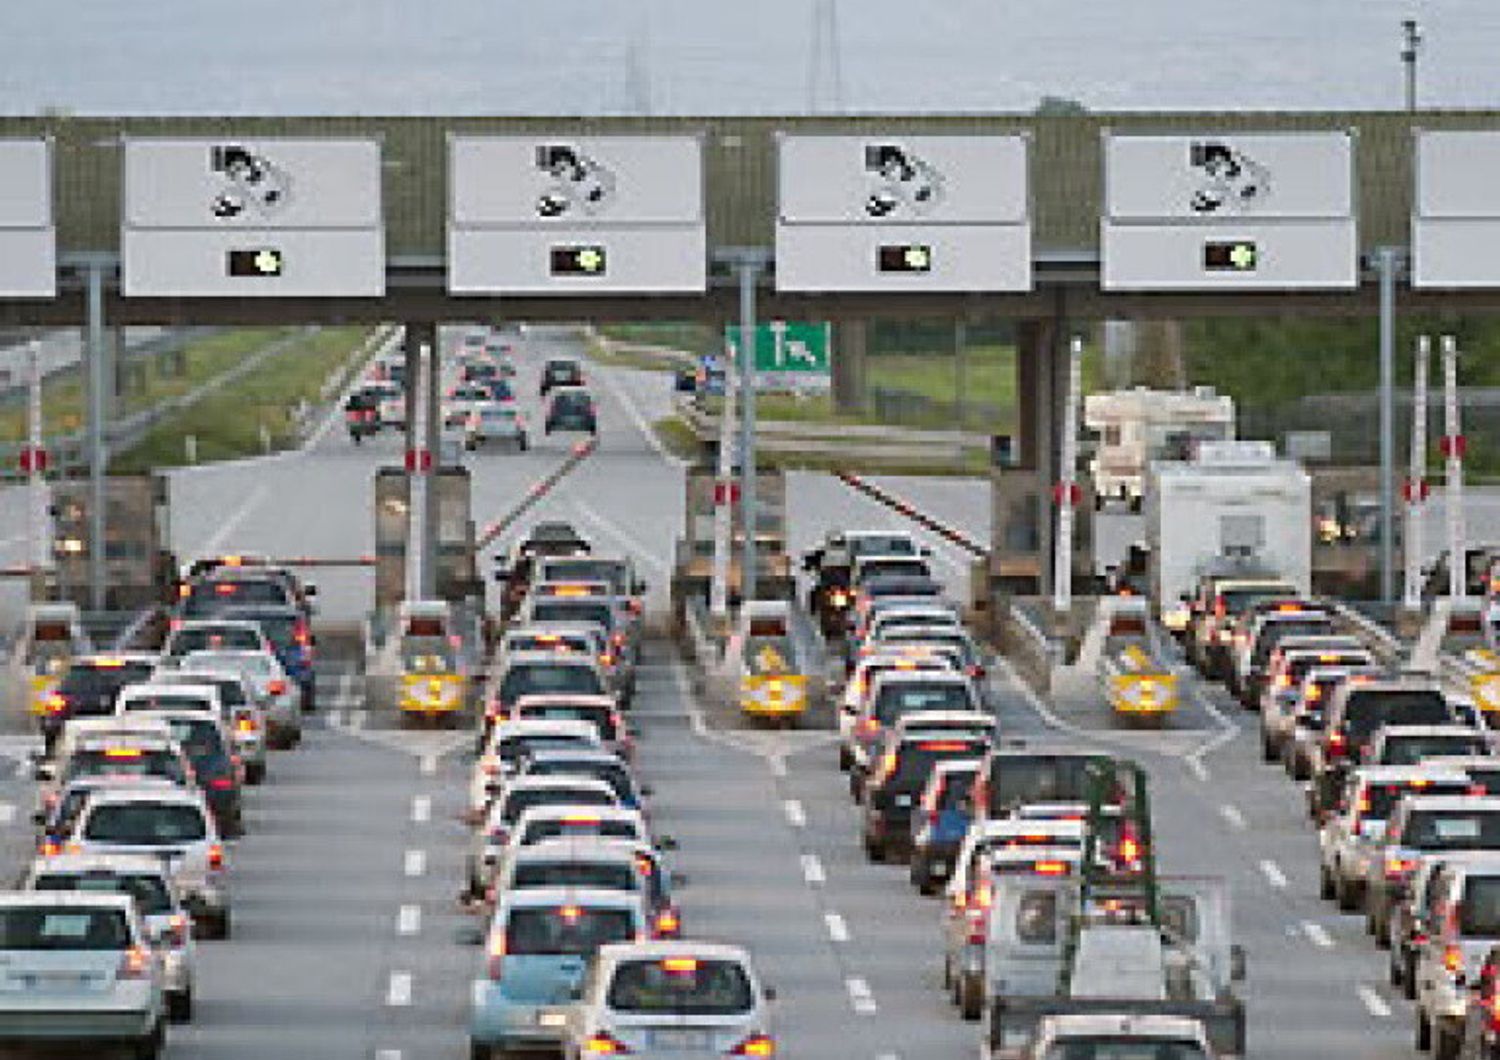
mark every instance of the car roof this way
{"type": "Point", "coordinates": [176, 688]}
{"type": "Point", "coordinates": [530, 657]}
{"type": "Point", "coordinates": [107, 659]}
{"type": "Point", "coordinates": [77, 899]}
{"type": "Point", "coordinates": [579, 754]}
{"type": "Point", "coordinates": [1387, 732]}
{"type": "Point", "coordinates": [1395, 774]}
{"type": "Point", "coordinates": [1069, 1025]}
{"type": "Point", "coordinates": [531, 782]}
{"type": "Point", "coordinates": [942, 722]}
{"type": "Point", "coordinates": [1460, 762]}
{"type": "Point", "coordinates": [947, 677]}
{"type": "Point", "coordinates": [139, 864]}
{"type": "Point", "coordinates": [1008, 826]}
{"type": "Point", "coordinates": [172, 794]}
{"type": "Point", "coordinates": [546, 897]}
{"type": "Point", "coordinates": [1476, 803]}
{"type": "Point", "coordinates": [543, 727]}
{"type": "Point", "coordinates": [604, 813]}
{"type": "Point", "coordinates": [218, 623]}
{"type": "Point", "coordinates": [657, 949]}
{"type": "Point", "coordinates": [583, 848]}
{"type": "Point", "coordinates": [546, 699]}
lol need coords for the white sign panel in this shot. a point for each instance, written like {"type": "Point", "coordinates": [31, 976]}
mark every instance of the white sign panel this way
{"type": "Point", "coordinates": [564, 214]}
{"type": "Point", "coordinates": [903, 213]}
{"type": "Point", "coordinates": [28, 239]}
{"type": "Point", "coordinates": [241, 217]}
{"type": "Point", "coordinates": [1237, 211]}
{"type": "Point", "coordinates": [1456, 219]}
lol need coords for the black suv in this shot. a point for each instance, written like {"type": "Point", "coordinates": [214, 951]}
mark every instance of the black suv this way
{"type": "Point", "coordinates": [572, 409]}
{"type": "Point", "coordinates": [558, 373]}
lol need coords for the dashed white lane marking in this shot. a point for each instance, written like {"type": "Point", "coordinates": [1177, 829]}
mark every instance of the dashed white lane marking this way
{"type": "Point", "coordinates": [838, 931]}
{"type": "Point", "coordinates": [1231, 813]}
{"type": "Point", "coordinates": [421, 808]}
{"type": "Point", "coordinates": [409, 920]}
{"type": "Point", "coordinates": [1374, 1004]}
{"type": "Point", "coordinates": [777, 764]}
{"type": "Point", "coordinates": [860, 997]}
{"type": "Point", "coordinates": [7, 813]}
{"type": "Point", "coordinates": [1317, 935]}
{"type": "Point", "coordinates": [812, 869]}
{"type": "Point", "coordinates": [795, 815]}
{"type": "Point", "coordinates": [428, 766]}
{"type": "Point", "coordinates": [388, 1054]}
{"type": "Point", "coordinates": [398, 991]}
{"type": "Point", "coordinates": [1273, 874]}
{"type": "Point", "coordinates": [415, 863]}
{"type": "Point", "coordinates": [1197, 768]}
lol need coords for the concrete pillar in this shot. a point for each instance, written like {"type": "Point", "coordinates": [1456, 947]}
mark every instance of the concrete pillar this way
{"type": "Point", "coordinates": [850, 365]}
{"type": "Point", "coordinates": [1041, 389]}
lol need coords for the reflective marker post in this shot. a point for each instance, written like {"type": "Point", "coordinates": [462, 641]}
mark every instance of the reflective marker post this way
{"type": "Point", "coordinates": [98, 455]}
{"type": "Point", "coordinates": [1453, 452]}
{"type": "Point", "coordinates": [1067, 487]}
{"type": "Point", "coordinates": [432, 444]}
{"type": "Point", "coordinates": [1416, 482]}
{"type": "Point", "coordinates": [1386, 263]}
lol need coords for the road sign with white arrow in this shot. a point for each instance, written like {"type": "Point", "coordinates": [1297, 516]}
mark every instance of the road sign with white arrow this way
{"type": "Point", "coordinates": [787, 351]}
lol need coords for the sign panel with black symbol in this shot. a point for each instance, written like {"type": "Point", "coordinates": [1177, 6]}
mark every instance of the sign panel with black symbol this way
{"type": "Point", "coordinates": [531, 214]}
{"type": "Point", "coordinates": [229, 216]}
{"type": "Point", "coordinates": [1455, 224]}
{"type": "Point", "coordinates": [1229, 211]}
{"type": "Point", "coordinates": [895, 212]}
{"type": "Point", "coordinates": [28, 237]}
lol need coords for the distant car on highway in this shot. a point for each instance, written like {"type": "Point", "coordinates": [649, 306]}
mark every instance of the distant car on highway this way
{"type": "Point", "coordinates": [493, 422]}
{"type": "Point", "coordinates": [571, 409]}
{"type": "Point", "coordinates": [559, 372]}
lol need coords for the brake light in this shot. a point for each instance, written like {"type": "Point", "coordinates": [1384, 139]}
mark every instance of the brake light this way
{"type": "Point", "coordinates": [246, 724]}
{"type": "Point", "coordinates": [1398, 868]}
{"type": "Point", "coordinates": [221, 783]}
{"type": "Point", "coordinates": [277, 687]}
{"type": "Point", "coordinates": [602, 1044]}
{"type": "Point", "coordinates": [679, 965]}
{"type": "Point", "coordinates": [755, 1045]}
{"type": "Point", "coordinates": [135, 963]}
{"type": "Point", "coordinates": [570, 914]}
{"type": "Point", "coordinates": [1130, 850]}
{"type": "Point", "coordinates": [1283, 680]}
{"type": "Point", "coordinates": [122, 752]}
{"type": "Point", "coordinates": [50, 848]}
{"type": "Point", "coordinates": [1453, 958]}
{"type": "Point", "coordinates": [55, 703]}
{"type": "Point", "coordinates": [581, 818]}
{"type": "Point", "coordinates": [225, 588]}
{"type": "Point", "coordinates": [944, 745]}
{"type": "Point", "coordinates": [1314, 693]}
{"type": "Point", "coordinates": [667, 924]}
{"type": "Point", "coordinates": [1337, 743]}
{"type": "Point", "coordinates": [216, 856]}
{"type": "Point", "coordinates": [1050, 868]}
{"type": "Point", "coordinates": [1221, 607]}
{"type": "Point", "coordinates": [868, 727]}
{"type": "Point", "coordinates": [302, 635]}
{"type": "Point", "coordinates": [495, 959]}
{"type": "Point", "coordinates": [976, 671]}
{"type": "Point", "coordinates": [177, 930]}
{"type": "Point", "coordinates": [606, 659]}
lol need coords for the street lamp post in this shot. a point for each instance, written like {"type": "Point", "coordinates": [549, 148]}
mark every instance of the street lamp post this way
{"type": "Point", "coordinates": [1413, 40]}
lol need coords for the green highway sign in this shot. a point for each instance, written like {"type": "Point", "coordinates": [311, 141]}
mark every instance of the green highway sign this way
{"type": "Point", "coordinates": [786, 347]}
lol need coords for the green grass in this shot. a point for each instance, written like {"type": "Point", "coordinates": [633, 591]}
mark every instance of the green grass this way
{"type": "Point", "coordinates": [64, 396]}
{"type": "Point", "coordinates": [227, 423]}
{"type": "Point", "coordinates": [692, 338]}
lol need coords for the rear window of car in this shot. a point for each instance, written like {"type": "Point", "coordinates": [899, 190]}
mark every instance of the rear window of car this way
{"type": "Point", "coordinates": [881, 545]}
{"type": "Point", "coordinates": [554, 827]}
{"type": "Point", "coordinates": [148, 763]}
{"type": "Point", "coordinates": [1272, 633]}
{"type": "Point", "coordinates": [606, 875]}
{"type": "Point", "coordinates": [513, 748]}
{"type": "Point", "coordinates": [573, 402]}
{"type": "Point", "coordinates": [573, 930]}
{"type": "Point", "coordinates": [885, 568]}
{"type": "Point", "coordinates": [918, 757]}
{"type": "Point", "coordinates": [145, 824]}
{"type": "Point", "coordinates": [554, 610]}
{"type": "Point", "coordinates": [233, 638]}
{"type": "Point", "coordinates": [1381, 799]}
{"type": "Point", "coordinates": [1452, 830]}
{"type": "Point", "coordinates": [1123, 1048]}
{"type": "Point", "coordinates": [1366, 711]}
{"type": "Point", "coordinates": [167, 701]}
{"type": "Point", "coordinates": [208, 596]}
{"type": "Point", "coordinates": [681, 986]}
{"type": "Point", "coordinates": [91, 680]}
{"type": "Point", "coordinates": [526, 679]}
{"type": "Point", "coordinates": [588, 570]}
{"type": "Point", "coordinates": [1409, 750]}
{"type": "Point", "coordinates": [63, 928]}
{"type": "Point", "coordinates": [1237, 601]}
{"type": "Point", "coordinates": [1479, 912]}
{"type": "Point", "coordinates": [518, 801]}
{"type": "Point", "coordinates": [1017, 781]}
{"type": "Point", "coordinates": [150, 892]}
{"type": "Point", "coordinates": [895, 700]}
{"type": "Point", "coordinates": [615, 775]}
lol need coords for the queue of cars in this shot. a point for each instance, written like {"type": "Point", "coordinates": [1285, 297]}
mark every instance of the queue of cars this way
{"type": "Point", "coordinates": [583, 941]}
{"type": "Point", "coordinates": [141, 784]}
{"type": "Point", "coordinates": [1403, 786]}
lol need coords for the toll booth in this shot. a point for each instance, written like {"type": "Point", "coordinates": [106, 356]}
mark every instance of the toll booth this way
{"type": "Point", "coordinates": [139, 568]}
{"type": "Point", "coordinates": [1020, 504]}
{"type": "Point", "coordinates": [693, 567]}
{"type": "Point", "coordinates": [457, 573]}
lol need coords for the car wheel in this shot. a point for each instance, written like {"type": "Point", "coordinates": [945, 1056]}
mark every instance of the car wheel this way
{"type": "Point", "coordinates": [1325, 882]}
{"type": "Point", "coordinates": [845, 759]}
{"type": "Point", "coordinates": [149, 1047]}
{"type": "Point", "coordinates": [1267, 747]}
{"type": "Point", "coordinates": [1446, 1045]}
{"type": "Point", "coordinates": [947, 974]}
{"type": "Point", "coordinates": [874, 850]}
{"type": "Point", "coordinates": [524, 444]}
{"type": "Point", "coordinates": [480, 1051]}
{"type": "Point", "coordinates": [1394, 971]}
{"type": "Point", "coordinates": [970, 999]}
{"type": "Point", "coordinates": [255, 773]}
{"type": "Point", "coordinates": [1424, 1032]}
{"type": "Point", "coordinates": [1409, 977]}
{"type": "Point", "coordinates": [180, 1006]}
{"type": "Point", "coordinates": [219, 925]}
{"type": "Point", "coordinates": [1344, 894]}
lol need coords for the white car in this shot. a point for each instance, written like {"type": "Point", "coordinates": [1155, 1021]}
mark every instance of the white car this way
{"type": "Point", "coordinates": [78, 970]}
{"type": "Point", "coordinates": [489, 842]}
{"type": "Point", "coordinates": [172, 826]}
{"type": "Point", "coordinates": [149, 882]}
{"type": "Point", "coordinates": [852, 699]}
{"type": "Point", "coordinates": [668, 1000]}
{"type": "Point", "coordinates": [240, 710]}
{"type": "Point", "coordinates": [278, 694]}
{"type": "Point", "coordinates": [508, 741]}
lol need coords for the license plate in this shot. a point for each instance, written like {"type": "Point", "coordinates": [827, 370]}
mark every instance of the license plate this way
{"type": "Point", "coordinates": [547, 1018]}
{"type": "Point", "coordinates": [939, 868]}
{"type": "Point", "coordinates": [681, 1039]}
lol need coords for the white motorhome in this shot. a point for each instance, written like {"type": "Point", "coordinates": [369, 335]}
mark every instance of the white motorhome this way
{"type": "Point", "coordinates": [1134, 427]}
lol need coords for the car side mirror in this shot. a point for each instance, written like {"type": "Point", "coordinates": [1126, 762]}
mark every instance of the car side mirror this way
{"type": "Point", "coordinates": [44, 771]}
{"type": "Point", "coordinates": [647, 790]}
{"type": "Point", "coordinates": [679, 879]}
{"type": "Point", "coordinates": [666, 842]}
{"type": "Point", "coordinates": [769, 993]}
{"type": "Point", "coordinates": [1237, 969]}
{"type": "Point", "coordinates": [469, 935]}
{"type": "Point", "coordinates": [309, 589]}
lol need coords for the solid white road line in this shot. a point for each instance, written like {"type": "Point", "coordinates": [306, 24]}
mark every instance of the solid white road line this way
{"type": "Point", "coordinates": [812, 870]}
{"type": "Point", "coordinates": [1317, 935]}
{"type": "Point", "coordinates": [636, 418]}
{"type": "Point", "coordinates": [421, 808]}
{"type": "Point", "coordinates": [1273, 874]}
{"type": "Point", "coordinates": [860, 997]}
{"type": "Point", "coordinates": [1374, 1004]}
{"type": "Point", "coordinates": [409, 920]}
{"type": "Point", "coordinates": [795, 815]}
{"type": "Point", "coordinates": [1232, 814]}
{"type": "Point", "coordinates": [398, 992]}
{"type": "Point", "coordinates": [415, 863]}
{"type": "Point", "coordinates": [838, 931]}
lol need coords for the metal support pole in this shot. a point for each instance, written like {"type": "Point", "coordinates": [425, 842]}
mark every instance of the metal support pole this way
{"type": "Point", "coordinates": [1062, 571]}
{"type": "Point", "coordinates": [718, 586]}
{"type": "Point", "coordinates": [38, 526]}
{"type": "Point", "coordinates": [1416, 482]}
{"type": "Point", "coordinates": [97, 442]}
{"type": "Point", "coordinates": [1409, 59]}
{"type": "Point", "coordinates": [1386, 262]}
{"type": "Point", "coordinates": [1453, 450]}
{"type": "Point", "coordinates": [433, 445]}
{"type": "Point", "coordinates": [748, 271]}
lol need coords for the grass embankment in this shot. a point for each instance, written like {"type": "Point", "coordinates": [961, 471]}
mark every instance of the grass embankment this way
{"type": "Point", "coordinates": [227, 423]}
{"type": "Point", "coordinates": [65, 394]}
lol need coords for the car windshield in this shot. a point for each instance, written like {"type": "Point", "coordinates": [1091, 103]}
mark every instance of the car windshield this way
{"type": "Point", "coordinates": [565, 642]}
{"type": "Point", "coordinates": [1123, 1048]}
{"type": "Point", "coordinates": [513, 748]}
{"type": "Point", "coordinates": [155, 762]}
{"type": "Point", "coordinates": [150, 891]}
{"type": "Point", "coordinates": [525, 799]}
{"type": "Point", "coordinates": [573, 930]}
{"type": "Point", "coordinates": [898, 699]}
{"type": "Point", "coordinates": [94, 681]}
{"type": "Point", "coordinates": [1452, 830]}
{"type": "Point", "coordinates": [497, 414]}
{"type": "Point", "coordinates": [1237, 601]}
{"type": "Point", "coordinates": [554, 610]}
{"type": "Point", "coordinates": [1409, 750]}
{"type": "Point", "coordinates": [235, 638]}
{"type": "Point", "coordinates": [1272, 633]}
{"type": "Point", "coordinates": [609, 571]}
{"type": "Point", "coordinates": [526, 679]}
{"type": "Point", "coordinates": [1479, 912]}
{"type": "Point", "coordinates": [918, 757]}
{"type": "Point", "coordinates": [886, 568]}
{"type": "Point", "coordinates": [606, 875]}
{"type": "Point", "coordinates": [145, 823]}
{"type": "Point", "coordinates": [681, 986]}
{"type": "Point", "coordinates": [63, 928]}
{"type": "Point", "coordinates": [881, 545]}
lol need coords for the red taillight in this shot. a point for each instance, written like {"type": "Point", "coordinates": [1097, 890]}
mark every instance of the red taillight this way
{"type": "Point", "coordinates": [135, 963]}
{"type": "Point", "coordinates": [1398, 868]}
{"type": "Point", "coordinates": [668, 926]}
{"type": "Point", "coordinates": [755, 1045]}
{"type": "Point", "coordinates": [216, 857]}
{"type": "Point", "coordinates": [868, 727]}
{"type": "Point", "coordinates": [302, 635]}
{"type": "Point", "coordinates": [1453, 958]}
{"type": "Point", "coordinates": [277, 687]}
{"type": "Point", "coordinates": [50, 848]}
{"type": "Point", "coordinates": [976, 671]}
{"type": "Point", "coordinates": [495, 959]}
{"type": "Point", "coordinates": [602, 1044]}
{"type": "Point", "coordinates": [1337, 743]}
{"type": "Point", "coordinates": [55, 703]}
{"type": "Point", "coordinates": [1050, 868]}
{"type": "Point", "coordinates": [246, 724]}
{"type": "Point", "coordinates": [178, 930]}
{"type": "Point", "coordinates": [221, 783]}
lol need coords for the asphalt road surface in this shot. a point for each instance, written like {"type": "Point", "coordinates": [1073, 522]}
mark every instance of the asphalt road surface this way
{"type": "Point", "coordinates": [346, 921]}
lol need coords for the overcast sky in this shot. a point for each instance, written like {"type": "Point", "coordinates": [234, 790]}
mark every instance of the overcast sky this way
{"type": "Point", "coordinates": [714, 56]}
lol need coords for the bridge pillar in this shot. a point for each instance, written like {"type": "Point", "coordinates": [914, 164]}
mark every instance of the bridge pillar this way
{"type": "Point", "coordinates": [1041, 390]}
{"type": "Point", "coordinates": [849, 367]}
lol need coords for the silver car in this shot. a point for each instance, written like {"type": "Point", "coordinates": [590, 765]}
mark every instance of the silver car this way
{"type": "Point", "coordinates": [78, 969]}
{"type": "Point", "coordinates": [278, 694]}
{"type": "Point", "coordinates": [149, 883]}
{"type": "Point", "coordinates": [243, 716]}
{"type": "Point", "coordinates": [493, 422]}
{"type": "Point", "coordinates": [672, 1000]}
